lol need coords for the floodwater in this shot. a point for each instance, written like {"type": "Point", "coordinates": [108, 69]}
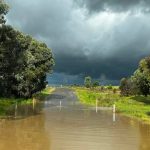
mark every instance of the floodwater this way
{"type": "Point", "coordinates": [68, 125]}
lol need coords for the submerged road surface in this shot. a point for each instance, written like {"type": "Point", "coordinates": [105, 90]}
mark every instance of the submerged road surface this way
{"type": "Point", "coordinates": [62, 123]}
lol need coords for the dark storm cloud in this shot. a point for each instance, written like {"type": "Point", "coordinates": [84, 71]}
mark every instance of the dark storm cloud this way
{"type": "Point", "coordinates": [113, 68]}
{"type": "Point", "coordinates": [115, 5]}
{"type": "Point", "coordinates": [105, 45]}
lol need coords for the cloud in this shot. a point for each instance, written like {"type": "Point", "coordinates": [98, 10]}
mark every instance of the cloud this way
{"type": "Point", "coordinates": [106, 44]}
{"type": "Point", "coordinates": [94, 6]}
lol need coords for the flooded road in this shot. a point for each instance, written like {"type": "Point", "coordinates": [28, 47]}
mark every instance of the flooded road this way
{"type": "Point", "coordinates": [68, 125]}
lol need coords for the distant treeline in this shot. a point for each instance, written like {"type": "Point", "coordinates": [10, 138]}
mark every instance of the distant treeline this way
{"type": "Point", "coordinates": [137, 84]}
{"type": "Point", "coordinates": [24, 62]}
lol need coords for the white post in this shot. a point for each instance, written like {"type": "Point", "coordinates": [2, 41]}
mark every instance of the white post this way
{"type": "Point", "coordinates": [96, 105]}
{"type": "Point", "coordinates": [114, 113]}
{"type": "Point", "coordinates": [114, 117]}
{"type": "Point", "coordinates": [60, 106]}
{"type": "Point", "coordinates": [33, 103]}
{"type": "Point", "coordinates": [114, 108]}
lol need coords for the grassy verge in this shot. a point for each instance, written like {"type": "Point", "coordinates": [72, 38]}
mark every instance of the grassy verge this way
{"type": "Point", "coordinates": [133, 106]}
{"type": "Point", "coordinates": [6, 103]}
{"type": "Point", "coordinates": [43, 94]}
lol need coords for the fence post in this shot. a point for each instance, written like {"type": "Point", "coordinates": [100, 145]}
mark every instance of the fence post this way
{"type": "Point", "coordinates": [60, 106]}
{"type": "Point", "coordinates": [114, 108]}
{"type": "Point", "coordinates": [114, 113]}
{"type": "Point", "coordinates": [33, 103]}
{"type": "Point", "coordinates": [114, 117]}
{"type": "Point", "coordinates": [96, 105]}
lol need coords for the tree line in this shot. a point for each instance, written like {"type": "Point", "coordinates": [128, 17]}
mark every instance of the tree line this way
{"type": "Point", "coordinates": [24, 61]}
{"type": "Point", "coordinates": [139, 82]}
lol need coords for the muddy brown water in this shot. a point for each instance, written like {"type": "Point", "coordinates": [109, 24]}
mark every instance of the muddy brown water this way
{"type": "Point", "coordinates": [47, 126]}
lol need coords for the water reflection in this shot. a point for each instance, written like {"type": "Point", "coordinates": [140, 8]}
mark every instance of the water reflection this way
{"type": "Point", "coordinates": [145, 137]}
{"type": "Point", "coordinates": [24, 134]}
{"type": "Point", "coordinates": [79, 130]}
{"type": "Point", "coordinates": [68, 125]}
{"type": "Point", "coordinates": [22, 111]}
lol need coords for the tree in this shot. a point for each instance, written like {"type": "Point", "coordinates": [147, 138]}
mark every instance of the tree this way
{"type": "Point", "coordinates": [88, 81]}
{"type": "Point", "coordinates": [110, 87]}
{"type": "Point", "coordinates": [24, 63]}
{"type": "Point", "coordinates": [102, 88]}
{"type": "Point", "coordinates": [3, 11]}
{"type": "Point", "coordinates": [142, 76]}
{"type": "Point", "coordinates": [124, 86]}
{"type": "Point", "coordinates": [114, 90]}
{"type": "Point", "coordinates": [96, 84]}
{"type": "Point", "coordinates": [9, 52]}
{"type": "Point", "coordinates": [139, 83]}
{"type": "Point", "coordinates": [128, 87]}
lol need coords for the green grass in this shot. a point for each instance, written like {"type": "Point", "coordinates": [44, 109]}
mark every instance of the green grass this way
{"type": "Point", "coordinates": [6, 103]}
{"type": "Point", "coordinates": [133, 106]}
{"type": "Point", "coordinates": [43, 94]}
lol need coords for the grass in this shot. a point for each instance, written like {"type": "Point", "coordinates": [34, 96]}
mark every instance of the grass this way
{"type": "Point", "coordinates": [43, 94]}
{"type": "Point", "coordinates": [6, 103]}
{"type": "Point", "coordinates": [132, 106]}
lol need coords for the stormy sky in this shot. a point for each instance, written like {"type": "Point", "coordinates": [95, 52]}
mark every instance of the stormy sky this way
{"type": "Point", "coordinates": [101, 38]}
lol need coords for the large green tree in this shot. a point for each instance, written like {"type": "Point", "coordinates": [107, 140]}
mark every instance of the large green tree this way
{"type": "Point", "coordinates": [139, 83]}
{"type": "Point", "coordinates": [142, 76]}
{"type": "Point", "coordinates": [24, 62]}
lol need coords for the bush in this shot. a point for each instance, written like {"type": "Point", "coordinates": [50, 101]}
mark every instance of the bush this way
{"type": "Point", "coordinates": [109, 87]}
{"type": "Point", "coordinates": [95, 84]}
{"type": "Point", "coordinates": [114, 90]}
{"type": "Point", "coordinates": [102, 88]}
{"type": "Point", "coordinates": [87, 81]}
